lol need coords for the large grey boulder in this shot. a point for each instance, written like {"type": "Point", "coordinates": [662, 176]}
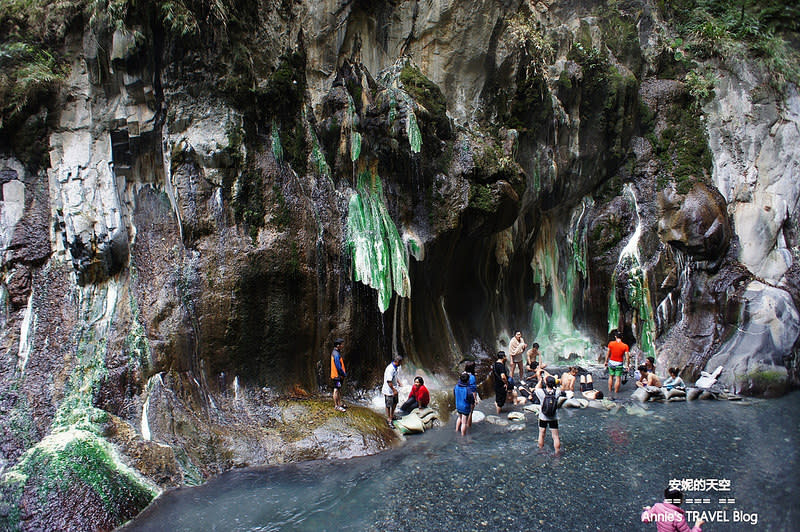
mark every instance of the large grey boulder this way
{"type": "Point", "coordinates": [754, 357]}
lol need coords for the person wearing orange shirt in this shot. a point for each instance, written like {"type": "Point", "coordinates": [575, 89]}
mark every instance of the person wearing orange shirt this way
{"type": "Point", "coordinates": [338, 373]}
{"type": "Point", "coordinates": [617, 361]}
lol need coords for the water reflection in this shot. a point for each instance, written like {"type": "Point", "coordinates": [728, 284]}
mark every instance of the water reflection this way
{"type": "Point", "coordinates": [613, 464]}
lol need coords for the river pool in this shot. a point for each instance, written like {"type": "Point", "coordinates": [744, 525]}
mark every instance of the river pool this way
{"type": "Point", "coordinates": [737, 460]}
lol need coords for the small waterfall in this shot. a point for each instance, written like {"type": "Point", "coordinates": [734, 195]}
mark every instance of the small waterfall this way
{"type": "Point", "coordinates": [169, 186]}
{"type": "Point", "coordinates": [555, 333]}
{"type": "Point", "coordinates": [451, 338]}
{"type": "Point", "coordinates": [152, 382]}
{"type": "Point", "coordinates": [236, 388]}
{"type": "Point", "coordinates": [637, 291]}
{"type": "Point", "coordinates": [26, 335]}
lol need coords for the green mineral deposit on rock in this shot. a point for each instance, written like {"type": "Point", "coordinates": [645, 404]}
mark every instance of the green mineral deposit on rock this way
{"type": "Point", "coordinates": [412, 130]}
{"type": "Point", "coordinates": [379, 255]}
{"type": "Point", "coordinates": [277, 149]}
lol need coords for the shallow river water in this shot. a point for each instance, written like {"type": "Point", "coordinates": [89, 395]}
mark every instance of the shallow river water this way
{"type": "Point", "coordinates": [612, 465]}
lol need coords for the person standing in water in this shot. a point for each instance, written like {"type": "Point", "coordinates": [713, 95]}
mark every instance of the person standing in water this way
{"type": "Point", "coordinates": [390, 387]}
{"type": "Point", "coordinates": [617, 360]}
{"type": "Point", "coordinates": [473, 388]}
{"type": "Point", "coordinates": [516, 347]}
{"type": "Point", "coordinates": [548, 411]}
{"type": "Point", "coordinates": [338, 374]}
{"type": "Point", "coordinates": [500, 381]}
{"type": "Point", "coordinates": [534, 357]}
{"type": "Point", "coordinates": [465, 402]}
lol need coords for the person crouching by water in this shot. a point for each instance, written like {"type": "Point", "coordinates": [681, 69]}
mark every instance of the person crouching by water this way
{"type": "Point", "coordinates": [501, 384]}
{"type": "Point", "coordinates": [465, 402]}
{"type": "Point", "coordinates": [548, 411]}
{"type": "Point", "coordinates": [668, 515]}
{"type": "Point", "coordinates": [418, 397]}
{"type": "Point", "coordinates": [338, 374]}
{"type": "Point", "coordinates": [390, 387]}
{"type": "Point", "coordinates": [648, 378]}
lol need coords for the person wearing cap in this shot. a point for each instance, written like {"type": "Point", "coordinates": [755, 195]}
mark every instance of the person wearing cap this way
{"type": "Point", "coordinates": [501, 384]}
{"type": "Point", "coordinates": [465, 401]}
{"type": "Point", "coordinates": [338, 373]}
{"type": "Point", "coordinates": [544, 420]}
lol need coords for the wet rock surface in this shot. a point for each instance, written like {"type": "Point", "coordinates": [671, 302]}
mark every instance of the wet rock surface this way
{"type": "Point", "coordinates": [179, 232]}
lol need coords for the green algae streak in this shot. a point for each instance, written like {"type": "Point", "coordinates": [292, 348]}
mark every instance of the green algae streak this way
{"type": "Point", "coordinates": [379, 256]}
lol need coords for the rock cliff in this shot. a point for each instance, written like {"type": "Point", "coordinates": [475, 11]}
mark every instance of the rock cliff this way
{"type": "Point", "coordinates": [197, 198]}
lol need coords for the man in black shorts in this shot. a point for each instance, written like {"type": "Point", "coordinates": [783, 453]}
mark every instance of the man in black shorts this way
{"type": "Point", "coordinates": [500, 381]}
{"type": "Point", "coordinates": [545, 420]}
{"type": "Point", "coordinates": [587, 388]}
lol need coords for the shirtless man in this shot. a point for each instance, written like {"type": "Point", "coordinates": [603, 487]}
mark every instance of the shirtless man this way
{"type": "Point", "coordinates": [533, 357]}
{"type": "Point", "coordinates": [649, 378]}
{"type": "Point", "coordinates": [587, 388]}
{"type": "Point", "coordinates": [568, 381]}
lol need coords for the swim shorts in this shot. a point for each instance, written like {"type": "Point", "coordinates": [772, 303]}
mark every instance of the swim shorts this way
{"type": "Point", "coordinates": [544, 423]}
{"type": "Point", "coordinates": [585, 386]}
{"type": "Point", "coordinates": [390, 401]}
{"type": "Point", "coordinates": [615, 370]}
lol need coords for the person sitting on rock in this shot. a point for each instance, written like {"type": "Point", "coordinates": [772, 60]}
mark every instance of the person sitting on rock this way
{"type": "Point", "coordinates": [674, 381]}
{"type": "Point", "coordinates": [648, 378]}
{"type": "Point", "coordinates": [418, 397]}
{"type": "Point", "coordinates": [568, 381]}
{"type": "Point", "coordinates": [587, 388]}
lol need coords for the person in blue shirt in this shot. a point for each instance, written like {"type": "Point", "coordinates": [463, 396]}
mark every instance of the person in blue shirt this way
{"type": "Point", "coordinates": [465, 400]}
{"type": "Point", "coordinates": [338, 373]}
{"type": "Point", "coordinates": [473, 387]}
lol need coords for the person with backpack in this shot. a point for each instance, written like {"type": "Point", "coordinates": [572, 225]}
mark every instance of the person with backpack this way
{"type": "Point", "coordinates": [465, 402]}
{"type": "Point", "coordinates": [548, 411]}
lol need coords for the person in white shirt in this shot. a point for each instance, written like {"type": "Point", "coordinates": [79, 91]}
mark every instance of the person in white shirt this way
{"type": "Point", "coordinates": [516, 348]}
{"type": "Point", "coordinates": [390, 387]}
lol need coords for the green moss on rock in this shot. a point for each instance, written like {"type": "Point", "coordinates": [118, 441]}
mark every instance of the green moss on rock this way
{"type": "Point", "coordinates": [427, 94]}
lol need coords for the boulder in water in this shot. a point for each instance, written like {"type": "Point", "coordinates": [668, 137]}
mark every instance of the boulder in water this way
{"type": "Point", "coordinates": [576, 402]}
{"type": "Point", "coordinates": [516, 416]}
{"type": "Point", "coordinates": [673, 393]}
{"type": "Point", "coordinates": [495, 420]}
{"type": "Point", "coordinates": [641, 395]}
{"type": "Point", "coordinates": [410, 424]}
{"type": "Point", "coordinates": [693, 393]}
{"type": "Point", "coordinates": [599, 405]}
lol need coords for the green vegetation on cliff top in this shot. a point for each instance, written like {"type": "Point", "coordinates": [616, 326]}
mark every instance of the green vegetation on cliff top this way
{"type": "Point", "coordinates": [764, 29]}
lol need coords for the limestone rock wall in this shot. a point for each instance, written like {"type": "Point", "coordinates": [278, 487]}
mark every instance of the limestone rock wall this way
{"type": "Point", "coordinates": [222, 199]}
